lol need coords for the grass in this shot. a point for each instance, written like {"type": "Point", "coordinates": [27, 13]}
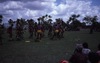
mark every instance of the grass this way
{"type": "Point", "coordinates": [46, 51]}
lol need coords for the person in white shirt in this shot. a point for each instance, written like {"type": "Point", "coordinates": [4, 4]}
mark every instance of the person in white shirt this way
{"type": "Point", "coordinates": [85, 49]}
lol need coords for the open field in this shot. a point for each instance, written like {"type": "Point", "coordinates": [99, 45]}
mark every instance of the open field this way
{"type": "Point", "coordinates": [46, 51]}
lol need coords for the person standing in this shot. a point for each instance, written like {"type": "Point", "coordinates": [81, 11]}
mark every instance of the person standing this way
{"type": "Point", "coordinates": [1, 29]}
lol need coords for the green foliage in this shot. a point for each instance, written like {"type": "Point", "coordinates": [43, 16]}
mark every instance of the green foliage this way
{"type": "Point", "coordinates": [1, 16]}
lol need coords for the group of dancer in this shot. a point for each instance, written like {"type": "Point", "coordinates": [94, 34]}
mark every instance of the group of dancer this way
{"type": "Point", "coordinates": [36, 29]}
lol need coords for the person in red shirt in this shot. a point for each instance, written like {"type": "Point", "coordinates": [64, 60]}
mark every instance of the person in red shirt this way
{"type": "Point", "coordinates": [78, 57]}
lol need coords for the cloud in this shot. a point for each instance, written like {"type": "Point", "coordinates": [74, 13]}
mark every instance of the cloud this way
{"type": "Point", "coordinates": [29, 0]}
{"type": "Point", "coordinates": [12, 5]}
{"type": "Point", "coordinates": [35, 8]}
{"type": "Point", "coordinates": [69, 7]}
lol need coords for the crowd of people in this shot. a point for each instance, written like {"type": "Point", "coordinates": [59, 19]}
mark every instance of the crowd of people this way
{"type": "Point", "coordinates": [83, 54]}
{"type": "Point", "coordinates": [35, 29]}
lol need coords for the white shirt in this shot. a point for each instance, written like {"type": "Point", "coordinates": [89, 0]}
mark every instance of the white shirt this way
{"type": "Point", "coordinates": [86, 51]}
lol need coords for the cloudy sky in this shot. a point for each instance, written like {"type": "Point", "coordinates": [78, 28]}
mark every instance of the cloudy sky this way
{"type": "Point", "coordinates": [56, 8]}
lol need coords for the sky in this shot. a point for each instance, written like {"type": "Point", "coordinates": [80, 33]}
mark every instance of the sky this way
{"type": "Point", "coordinates": [32, 9]}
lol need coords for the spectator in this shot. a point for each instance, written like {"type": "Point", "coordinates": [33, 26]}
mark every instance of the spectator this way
{"type": "Point", "coordinates": [78, 46]}
{"type": "Point", "coordinates": [93, 57]}
{"type": "Point", "coordinates": [78, 57]}
{"type": "Point", "coordinates": [85, 49]}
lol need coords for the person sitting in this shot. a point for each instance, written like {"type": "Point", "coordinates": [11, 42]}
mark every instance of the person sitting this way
{"type": "Point", "coordinates": [78, 45]}
{"type": "Point", "coordinates": [93, 57]}
{"type": "Point", "coordinates": [78, 57]}
{"type": "Point", "coordinates": [85, 49]}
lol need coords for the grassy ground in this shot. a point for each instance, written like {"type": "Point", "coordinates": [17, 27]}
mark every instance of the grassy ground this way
{"type": "Point", "coordinates": [46, 51]}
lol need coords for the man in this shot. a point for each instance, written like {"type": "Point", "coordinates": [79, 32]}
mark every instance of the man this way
{"type": "Point", "coordinates": [18, 30]}
{"type": "Point", "coordinates": [30, 27]}
{"type": "Point", "coordinates": [61, 31]}
{"type": "Point", "coordinates": [1, 29]}
{"type": "Point", "coordinates": [9, 31]}
{"type": "Point", "coordinates": [39, 32]}
{"type": "Point", "coordinates": [50, 29]}
{"type": "Point", "coordinates": [56, 31]}
{"type": "Point", "coordinates": [0, 34]}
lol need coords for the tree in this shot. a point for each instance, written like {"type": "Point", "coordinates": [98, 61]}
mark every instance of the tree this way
{"type": "Point", "coordinates": [83, 24]}
{"type": "Point", "coordinates": [10, 22]}
{"type": "Point", "coordinates": [49, 21]}
{"type": "Point", "coordinates": [1, 16]}
{"type": "Point", "coordinates": [91, 20]}
{"type": "Point", "coordinates": [46, 20]}
{"type": "Point", "coordinates": [73, 23]}
{"type": "Point", "coordinates": [39, 19]}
